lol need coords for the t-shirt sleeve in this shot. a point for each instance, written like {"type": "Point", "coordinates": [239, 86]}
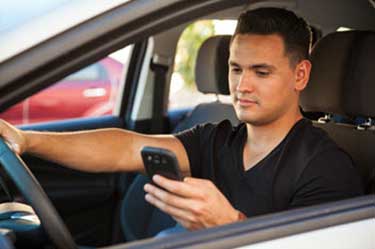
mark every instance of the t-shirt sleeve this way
{"type": "Point", "coordinates": [196, 141]}
{"type": "Point", "coordinates": [190, 139]}
{"type": "Point", "coordinates": [329, 176]}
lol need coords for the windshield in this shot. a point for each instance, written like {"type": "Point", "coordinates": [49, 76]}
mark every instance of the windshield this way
{"type": "Point", "coordinates": [15, 13]}
{"type": "Point", "coordinates": [25, 23]}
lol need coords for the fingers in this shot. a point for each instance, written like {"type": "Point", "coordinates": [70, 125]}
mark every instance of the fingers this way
{"type": "Point", "coordinates": [183, 217]}
{"type": "Point", "coordinates": [10, 135]}
{"type": "Point", "coordinates": [13, 146]}
{"type": "Point", "coordinates": [169, 198]}
{"type": "Point", "coordinates": [195, 203]}
{"type": "Point", "coordinates": [180, 214]}
{"type": "Point", "coordinates": [187, 209]}
{"type": "Point", "coordinates": [188, 188]}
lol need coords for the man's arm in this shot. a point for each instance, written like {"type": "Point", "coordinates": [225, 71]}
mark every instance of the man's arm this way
{"type": "Point", "coordinates": [102, 150]}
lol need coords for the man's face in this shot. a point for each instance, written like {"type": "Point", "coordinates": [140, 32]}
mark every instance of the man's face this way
{"type": "Point", "coordinates": [261, 80]}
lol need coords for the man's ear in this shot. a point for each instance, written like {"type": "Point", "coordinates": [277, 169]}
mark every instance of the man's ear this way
{"type": "Point", "coordinates": [302, 74]}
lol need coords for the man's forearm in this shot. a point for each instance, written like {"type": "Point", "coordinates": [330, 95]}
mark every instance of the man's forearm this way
{"type": "Point", "coordinates": [93, 151]}
{"type": "Point", "coordinates": [101, 150]}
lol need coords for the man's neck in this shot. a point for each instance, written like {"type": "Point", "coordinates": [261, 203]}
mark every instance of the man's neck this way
{"type": "Point", "coordinates": [261, 140]}
{"type": "Point", "coordinates": [274, 132]}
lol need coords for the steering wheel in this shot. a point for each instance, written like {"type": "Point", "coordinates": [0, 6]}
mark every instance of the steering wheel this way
{"type": "Point", "coordinates": [31, 190]}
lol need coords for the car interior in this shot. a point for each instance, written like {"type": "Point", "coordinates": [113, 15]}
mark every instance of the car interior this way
{"type": "Point", "coordinates": [349, 136]}
{"type": "Point", "coordinates": [102, 209]}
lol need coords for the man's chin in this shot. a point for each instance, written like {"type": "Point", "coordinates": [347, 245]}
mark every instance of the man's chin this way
{"type": "Point", "coordinates": [253, 120]}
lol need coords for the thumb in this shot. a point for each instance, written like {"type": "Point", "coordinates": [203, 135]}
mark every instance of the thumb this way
{"type": "Point", "coordinates": [15, 147]}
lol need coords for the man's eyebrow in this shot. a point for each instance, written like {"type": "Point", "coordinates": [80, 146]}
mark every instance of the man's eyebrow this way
{"type": "Point", "coordinates": [263, 66]}
{"type": "Point", "coordinates": [255, 66]}
{"type": "Point", "coordinates": [232, 63]}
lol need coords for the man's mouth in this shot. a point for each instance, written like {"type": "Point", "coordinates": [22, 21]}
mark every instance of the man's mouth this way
{"type": "Point", "coordinates": [246, 102]}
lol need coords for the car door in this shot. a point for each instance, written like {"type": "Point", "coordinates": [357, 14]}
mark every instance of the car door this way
{"type": "Point", "coordinates": [87, 202]}
{"type": "Point", "coordinates": [336, 225]}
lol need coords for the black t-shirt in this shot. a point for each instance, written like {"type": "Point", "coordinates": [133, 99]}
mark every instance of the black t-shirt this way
{"type": "Point", "coordinates": [306, 168]}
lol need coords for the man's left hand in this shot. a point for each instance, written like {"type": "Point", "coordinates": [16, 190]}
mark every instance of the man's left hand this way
{"type": "Point", "coordinates": [194, 203]}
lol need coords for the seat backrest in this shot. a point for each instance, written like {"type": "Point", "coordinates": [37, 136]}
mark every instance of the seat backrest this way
{"type": "Point", "coordinates": [211, 77]}
{"type": "Point", "coordinates": [139, 219]}
{"type": "Point", "coordinates": [342, 82]}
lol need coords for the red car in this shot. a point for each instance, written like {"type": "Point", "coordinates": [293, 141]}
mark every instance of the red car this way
{"type": "Point", "coordinates": [87, 93]}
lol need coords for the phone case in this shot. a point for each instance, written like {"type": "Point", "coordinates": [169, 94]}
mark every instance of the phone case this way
{"type": "Point", "coordinates": [162, 162]}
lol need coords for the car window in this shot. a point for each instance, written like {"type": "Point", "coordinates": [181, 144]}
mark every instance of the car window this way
{"type": "Point", "coordinates": [95, 71]}
{"type": "Point", "coordinates": [89, 92]}
{"type": "Point", "coordinates": [183, 92]}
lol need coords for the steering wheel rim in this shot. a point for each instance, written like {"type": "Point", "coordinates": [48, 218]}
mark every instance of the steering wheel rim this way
{"type": "Point", "coordinates": [33, 193]}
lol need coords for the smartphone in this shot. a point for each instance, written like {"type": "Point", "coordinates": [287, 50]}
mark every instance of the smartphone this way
{"type": "Point", "coordinates": [162, 162]}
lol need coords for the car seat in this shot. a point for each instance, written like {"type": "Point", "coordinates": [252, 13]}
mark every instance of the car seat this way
{"type": "Point", "coordinates": [342, 82]}
{"type": "Point", "coordinates": [141, 220]}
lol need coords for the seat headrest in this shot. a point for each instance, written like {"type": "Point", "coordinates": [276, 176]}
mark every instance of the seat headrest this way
{"type": "Point", "coordinates": [211, 68]}
{"type": "Point", "coordinates": [342, 79]}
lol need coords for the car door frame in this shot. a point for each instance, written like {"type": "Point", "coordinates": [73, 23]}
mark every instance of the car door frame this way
{"type": "Point", "coordinates": [112, 36]}
{"type": "Point", "coordinates": [287, 225]}
{"type": "Point", "coordinates": [96, 195]}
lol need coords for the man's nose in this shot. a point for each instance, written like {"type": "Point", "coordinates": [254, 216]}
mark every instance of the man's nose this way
{"type": "Point", "coordinates": [245, 83]}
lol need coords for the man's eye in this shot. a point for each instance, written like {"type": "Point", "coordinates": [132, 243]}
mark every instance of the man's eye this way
{"type": "Point", "coordinates": [262, 73]}
{"type": "Point", "coordinates": [236, 70]}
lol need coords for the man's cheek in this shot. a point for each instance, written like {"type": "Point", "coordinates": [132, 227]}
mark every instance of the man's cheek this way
{"type": "Point", "coordinates": [232, 85]}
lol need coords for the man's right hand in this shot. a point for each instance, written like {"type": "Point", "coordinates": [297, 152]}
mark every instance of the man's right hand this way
{"type": "Point", "coordinates": [15, 137]}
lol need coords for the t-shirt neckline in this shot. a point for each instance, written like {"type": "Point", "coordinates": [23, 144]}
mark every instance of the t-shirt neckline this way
{"type": "Point", "coordinates": [273, 151]}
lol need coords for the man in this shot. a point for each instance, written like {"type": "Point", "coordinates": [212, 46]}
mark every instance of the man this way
{"type": "Point", "coordinates": [275, 160]}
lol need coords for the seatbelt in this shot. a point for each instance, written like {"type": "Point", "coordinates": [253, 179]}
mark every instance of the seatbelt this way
{"type": "Point", "coordinates": [159, 65]}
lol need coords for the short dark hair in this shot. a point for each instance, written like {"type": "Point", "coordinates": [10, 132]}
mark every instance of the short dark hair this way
{"type": "Point", "coordinates": [294, 30]}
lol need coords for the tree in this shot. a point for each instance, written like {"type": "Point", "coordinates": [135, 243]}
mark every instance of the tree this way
{"type": "Point", "coordinates": [187, 49]}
